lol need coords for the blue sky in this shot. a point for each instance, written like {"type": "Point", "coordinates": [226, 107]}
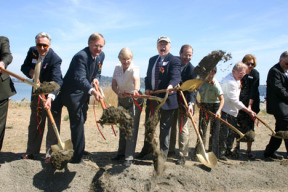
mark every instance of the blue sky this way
{"type": "Point", "coordinates": [238, 27]}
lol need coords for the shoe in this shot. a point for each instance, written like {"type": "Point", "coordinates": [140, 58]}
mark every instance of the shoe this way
{"type": "Point", "coordinates": [274, 156]}
{"type": "Point", "coordinates": [251, 156]}
{"type": "Point", "coordinates": [118, 157]}
{"type": "Point", "coordinates": [171, 154]}
{"type": "Point", "coordinates": [223, 157]}
{"type": "Point", "coordinates": [181, 161]}
{"type": "Point", "coordinates": [127, 163]}
{"type": "Point", "coordinates": [27, 156]}
{"type": "Point", "coordinates": [141, 155]}
{"type": "Point", "coordinates": [86, 153]}
{"type": "Point", "coordinates": [78, 162]}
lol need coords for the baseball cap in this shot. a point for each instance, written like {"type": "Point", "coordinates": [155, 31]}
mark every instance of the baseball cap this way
{"type": "Point", "coordinates": [163, 38]}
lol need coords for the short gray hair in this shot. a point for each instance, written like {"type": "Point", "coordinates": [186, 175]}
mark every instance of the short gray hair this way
{"type": "Point", "coordinates": [284, 55]}
{"type": "Point", "coordinates": [43, 34]}
{"type": "Point", "coordinates": [239, 65]}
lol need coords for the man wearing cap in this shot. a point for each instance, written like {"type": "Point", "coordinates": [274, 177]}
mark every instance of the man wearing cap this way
{"type": "Point", "coordinates": [164, 72]}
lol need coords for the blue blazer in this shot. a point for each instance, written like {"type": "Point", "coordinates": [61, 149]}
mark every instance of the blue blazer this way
{"type": "Point", "coordinates": [50, 67]}
{"type": "Point", "coordinates": [79, 75]}
{"type": "Point", "coordinates": [170, 75]}
{"type": "Point", "coordinates": [277, 92]}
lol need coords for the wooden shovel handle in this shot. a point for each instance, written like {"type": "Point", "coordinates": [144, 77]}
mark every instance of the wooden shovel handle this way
{"type": "Point", "coordinates": [103, 105]}
{"type": "Point", "coordinates": [51, 118]}
{"type": "Point", "coordinates": [273, 132]}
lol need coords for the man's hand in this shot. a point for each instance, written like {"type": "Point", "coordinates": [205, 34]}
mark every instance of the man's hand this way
{"type": "Point", "coordinates": [47, 104]}
{"type": "Point", "coordinates": [96, 94]}
{"type": "Point", "coordinates": [1, 66]}
{"type": "Point", "coordinates": [96, 82]}
{"type": "Point", "coordinates": [218, 114]}
{"type": "Point", "coordinates": [170, 87]}
{"type": "Point", "coordinates": [31, 73]}
{"type": "Point", "coordinates": [190, 109]}
{"type": "Point", "coordinates": [147, 92]}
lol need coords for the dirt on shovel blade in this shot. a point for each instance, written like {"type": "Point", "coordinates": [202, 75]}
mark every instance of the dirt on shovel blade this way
{"type": "Point", "coordinates": [248, 137]}
{"type": "Point", "coordinates": [47, 87]}
{"type": "Point", "coordinates": [282, 134]}
{"type": "Point", "coordinates": [119, 115]}
{"type": "Point", "coordinates": [59, 159]}
{"type": "Point", "coordinates": [210, 61]}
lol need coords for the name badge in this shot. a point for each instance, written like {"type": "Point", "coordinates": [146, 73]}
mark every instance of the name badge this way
{"type": "Point", "coordinates": [34, 60]}
{"type": "Point", "coordinates": [250, 77]}
{"type": "Point", "coordinates": [165, 63]}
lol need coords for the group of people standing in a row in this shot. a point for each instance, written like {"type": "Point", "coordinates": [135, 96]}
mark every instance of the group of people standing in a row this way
{"type": "Point", "coordinates": [235, 99]}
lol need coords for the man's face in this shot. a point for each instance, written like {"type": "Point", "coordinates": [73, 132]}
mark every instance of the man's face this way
{"type": "Point", "coordinates": [284, 64]}
{"type": "Point", "coordinates": [163, 48]}
{"type": "Point", "coordinates": [43, 45]}
{"type": "Point", "coordinates": [186, 55]}
{"type": "Point", "coordinates": [239, 74]}
{"type": "Point", "coordinates": [96, 46]}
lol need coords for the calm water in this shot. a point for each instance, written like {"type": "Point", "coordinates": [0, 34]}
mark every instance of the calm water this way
{"type": "Point", "coordinates": [24, 91]}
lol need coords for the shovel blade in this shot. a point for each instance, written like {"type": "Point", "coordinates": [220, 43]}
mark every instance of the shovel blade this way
{"type": "Point", "coordinates": [67, 145]}
{"type": "Point", "coordinates": [208, 159]}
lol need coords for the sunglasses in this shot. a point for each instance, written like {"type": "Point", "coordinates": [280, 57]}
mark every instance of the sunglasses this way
{"type": "Point", "coordinates": [40, 45]}
{"type": "Point", "coordinates": [253, 64]}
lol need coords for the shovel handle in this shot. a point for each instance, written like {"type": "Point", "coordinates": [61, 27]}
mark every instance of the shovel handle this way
{"type": "Point", "coordinates": [225, 122]}
{"type": "Point", "coordinates": [164, 90]}
{"type": "Point", "coordinates": [273, 132]}
{"type": "Point", "coordinates": [20, 78]}
{"type": "Point", "coordinates": [103, 105]}
{"type": "Point", "coordinates": [53, 123]}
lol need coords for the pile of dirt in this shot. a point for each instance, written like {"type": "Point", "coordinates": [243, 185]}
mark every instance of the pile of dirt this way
{"type": "Point", "coordinates": [47, 87]}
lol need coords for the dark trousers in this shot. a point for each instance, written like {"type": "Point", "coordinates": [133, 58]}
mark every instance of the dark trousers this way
{"type": "Point", "coordinates": [166, 119]}
{"type": "Point", "coordinates": [36, 131]}
{"type": "Point", "coordinates": [227, 135]}
{"type": "Point", "coordinates": [274, 143]}
{"type": "Point", "coordinates": [77, 106]}
{"type": "Point", "coordinates": [3, 118]}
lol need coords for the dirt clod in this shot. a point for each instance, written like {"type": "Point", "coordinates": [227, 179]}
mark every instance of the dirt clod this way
{"type": "Point", "coordinates": [47, 87]}
{"type": "Point", "coordinates": [60, 158]}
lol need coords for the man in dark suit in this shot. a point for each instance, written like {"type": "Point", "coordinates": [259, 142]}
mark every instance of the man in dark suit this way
{"type": "Point", "coordinates": [84, 70]}
{"type": "Point", "coordinates": [163, 73]}
{"type": "Point", "coordinates": [187, 72]}
{"type": "Point", "coordinates": [6, 85]}
{"type": "Point", "coordinates": [277, 103]}
{"type": "Point", "coordinates": [42, 64]}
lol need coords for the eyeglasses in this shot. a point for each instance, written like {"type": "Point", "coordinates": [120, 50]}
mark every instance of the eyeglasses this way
{"type": "Point", "coordinates": [253, 64]}
{"type": "Point", "coordinates": [40, 45]}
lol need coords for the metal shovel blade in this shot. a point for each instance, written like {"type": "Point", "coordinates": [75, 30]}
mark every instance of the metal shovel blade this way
{"type": "Point", "coordinates": [209, 159]}
{"type": "Point", "coordinates": [67, 145]}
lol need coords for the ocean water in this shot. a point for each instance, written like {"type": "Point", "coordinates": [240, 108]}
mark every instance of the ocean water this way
{"type": "Point", "coordinates": [24, 91]}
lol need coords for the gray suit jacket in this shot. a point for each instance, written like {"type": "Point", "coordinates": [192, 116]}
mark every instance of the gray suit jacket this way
{"type": "Point", "coordinates": [6, 85]}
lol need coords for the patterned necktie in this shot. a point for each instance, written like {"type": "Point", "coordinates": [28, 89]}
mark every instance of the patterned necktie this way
{"type": "Point", "coordinates": [37, 71]}
{"type": "Point", "coordinates": [157, 70]}
{"type": "Point", "coordinates": [92, 68]}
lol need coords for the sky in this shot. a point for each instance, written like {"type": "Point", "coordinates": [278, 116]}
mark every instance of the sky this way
{"type": "Point", "coordinates": [238, 27]}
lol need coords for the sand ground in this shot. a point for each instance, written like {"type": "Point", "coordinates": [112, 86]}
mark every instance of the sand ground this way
{"type": "Point", "coordinates": [99, 173]}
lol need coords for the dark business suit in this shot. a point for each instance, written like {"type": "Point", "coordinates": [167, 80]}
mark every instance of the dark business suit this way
{"type": "Point", "coordinates": [6, 85]}
{"type": "Point", "coordinates": [170, 75]}
{"type": "Point", "coordinates": [187, 73]}
{"type": "Point", "coordinates": [277, 105]}
{"type": "Point", "coordinates": [74, 95]}
{"type": "Point", "coordinates": [50, 71]}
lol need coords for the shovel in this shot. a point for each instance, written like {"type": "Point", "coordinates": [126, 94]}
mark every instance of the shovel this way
{"type": "Point", "coordinates": [243, 137]}
{"type": "Point", "coordinates": [208, 159]}
{"type": "Point", "coordinates": [189, 85]}
{"type": "Point", "coordinates": [274, 134]}
{"type": "Point", "coordinates": [67, 145]}
{"type": "Point", "coordinates": [44, 88]}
